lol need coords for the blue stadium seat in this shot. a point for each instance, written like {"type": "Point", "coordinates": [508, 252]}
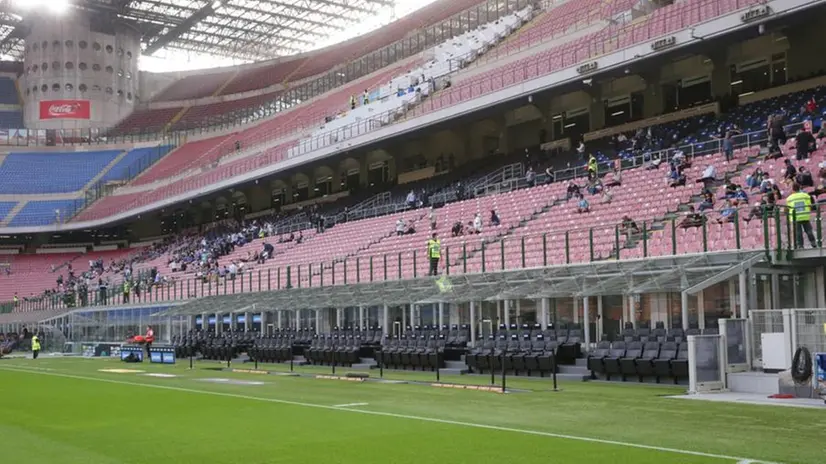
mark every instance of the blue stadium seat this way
{"type": "Point", "coordinates": [8, 92]}
{"type": "Point", "coordinates": [5, 207]}
{"type": "Point", "coordinates": [135, 162]}
{"type": "Point", "coordinates": [41, 213]}
{"type": "Point", "coordinates": [11, 120]}
{"type": "Point", "coordinates": [32, 173]}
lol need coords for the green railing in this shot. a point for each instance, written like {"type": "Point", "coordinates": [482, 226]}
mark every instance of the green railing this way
{"type": "Point", "coordinates": [770, 232]}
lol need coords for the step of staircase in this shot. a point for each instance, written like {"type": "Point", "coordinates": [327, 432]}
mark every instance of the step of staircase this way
{"type": "Point", "coordinates": [453, 371]}
{"type": "Point", "coordinates": [455, 365]}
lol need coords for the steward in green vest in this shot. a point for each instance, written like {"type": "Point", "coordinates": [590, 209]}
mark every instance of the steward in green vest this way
{"type": "Point", "coordinates": [434, 253]}
{"type": "Point", "coordinates": [35, 346]}
{"type": "Point", "coordinates": [799, 206]}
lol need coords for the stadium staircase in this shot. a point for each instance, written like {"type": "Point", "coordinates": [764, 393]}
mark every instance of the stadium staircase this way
{"type": "Point", "coordinates": [104, 171]}
{"type": "Point", "coordinates": [180, 114]}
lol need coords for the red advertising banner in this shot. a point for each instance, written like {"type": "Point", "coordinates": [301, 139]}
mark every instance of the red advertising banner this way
{"type": "Point", "coordinates": [65, 109]}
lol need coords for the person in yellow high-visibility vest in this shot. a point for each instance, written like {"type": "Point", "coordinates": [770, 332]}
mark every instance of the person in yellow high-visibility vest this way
{"type": "Point", "coordinates": [799, 204]}
{"type": "Point", "coordinates": [35, 346]}
{"type": "Point", "coordinates": [592, 166]}
{"type": "Point", "coordinates": [434, 253]}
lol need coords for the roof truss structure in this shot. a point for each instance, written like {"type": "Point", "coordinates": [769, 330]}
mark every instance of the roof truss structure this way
{"type": "Point", "coordinates": [672, 274]}
{"type": "Point", "coordinates": [252, 30]}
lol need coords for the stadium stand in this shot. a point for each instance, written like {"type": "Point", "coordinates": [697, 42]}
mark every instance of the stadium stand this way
{"type": "Point", "coordinates": [134, 162]}
{"type": "Point", "coordinates": [38, 173]}
{"type": "Point", "coordinates": [5, 208]}
{"type": "Point", "coordinates": [195, 85]}
{"type": "Point", "coordinates": [146, 121]}
{"type": "Point", "coordinates": [11, 119]}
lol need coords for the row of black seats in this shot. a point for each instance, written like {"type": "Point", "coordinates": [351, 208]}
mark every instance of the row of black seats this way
{"type": "Point", "coordinates": [659, 333]}
{"type": "Point", "coordinates": [334, 349]}
{"type": "Point", "coordinates": [271, 349]}
{"type": "Point", "coordinates": [568, 339]}
{"type": "Point", "coordinates": [640, 359]}
{"type": "Point", "coordinates": [528, 355]}
{"type": "Point", "coordinates": [414, 352]}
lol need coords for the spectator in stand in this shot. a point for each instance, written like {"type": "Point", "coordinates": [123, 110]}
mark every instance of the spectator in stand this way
{"type": "Point", "coordinates": [678, 181]}
{"type": "Point", "coordinates": [530, 177]}
{"type": "Point", "coordinates": [583, 206]}
{"type": "Point", "coordinates": [616, 178]}
{"type": "Point", "coordinates": [740, 196]}
{"type": "Point", "coordinates": [573, 191]}
{"type": "Point", "coordinates": [804, 177]}
{"type": "Point", "coordinates": [550, 175]}
{"type": "Point", "coordinates": [754, 179]}
{"type": "Point", "coordinates": [628, 227]}
{"type": "Point", "coordinates": [756, 211]}
{"type": "Point", "coordinates": [692, 219]}
{"type": "Point", "coordinates": [728, 141]}
{"type": "Point", "coordinates": [777, 134]}
{"type": "Point", "coordinates": [594, 185]}
{"type": "Point", "coordinates": [458, 229]}
{"type": "Point", "coordinates": [269, 252]}
{"type": "Point", "coordinates": [411, 199]}
{"type": "Point", "coordinates": [607, 196]}
{"type": "Point", "coordinates": [821, 134]}
{"type": "Point", "coordinates": [707, 202]}
{"type": "Point", "coordinates": [494, 218]}
{"type": "Point", "coordinates": [809, 107]}
{"type": "Point", "coordinates": [401, 227]}
{"type": "Point", "coordinates": [805, 143]}
{"type": "Point", "coordinates": [729, 212]}
{"type": "Point", "coordinates": [477, 223]}
{"type": "Point", "coordinates": [580, 149]}
{"type": "Point", "coordinates": [433, 219]}
{"type": "Point", "coordinates": [790, 173]}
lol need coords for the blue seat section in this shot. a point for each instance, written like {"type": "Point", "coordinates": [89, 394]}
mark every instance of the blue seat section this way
{"type": "Point", "coordinates": [5, 208]}
{"type": "Point", "coordinates": [31, 173]}
{"type": "Point", "coordinates": [135, 162]}
{"type": "Point", "coordinates": [42, 213]}
{"type": "Point", "coordinates": [8, 92]}
{"type": "Point", "coordinates": [11, 120]}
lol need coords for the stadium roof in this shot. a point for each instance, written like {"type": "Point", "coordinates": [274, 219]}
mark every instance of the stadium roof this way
{"type": "Point", "coordinates": [252, 30]}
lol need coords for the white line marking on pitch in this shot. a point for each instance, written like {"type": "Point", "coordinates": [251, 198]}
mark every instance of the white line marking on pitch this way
{"type": "Point", "coordinates": [349, 405]}
{"type": "Point", "coordinates": [540, 433]}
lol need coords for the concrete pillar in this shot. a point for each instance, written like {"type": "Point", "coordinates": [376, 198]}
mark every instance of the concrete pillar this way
{"type": "Point", "coordinates": [775, 295]}
{"type": "Point", "coordinates": [385, 320]}
{"type": "Point", "coordinates": [820, 278]}
{"type": "Point", "coordinates": [576, 311]}
{"type": "Point", "coordinates": [518, 311]}
{"type": "Point", "coordinates": [247, 321]}
{"type": "Point", "coordinates": [219, 323]}
{"type": "Point", "coordinates": [600, 320]}
{"type": "Point", "coordinates": [701, 311]}
{"type": "Point", "coordinates": [732, 296]}
{"type": "Point", "coordinates": [684, 308]}
{"type": "Point", "coordinates": [339, 317]}
{"type": "Point", "coordinates": [317, 322]}
{"type": "Point", "coordinates": [743, 286]}
{"type": "Point", "coordinates": [361, 317]}
{"type": "Point", "coordinates": [506, 307]}
{"type": "Point", "coordinates": [441, 315]}
{"type": "Point", "coordinates": [454, 314]}
{"type": "Point", "coordinates": [473, 322]}
{"type": "Point", "coordinates": [586, 315]}
{"type": "Point", "coordinates": [544, 313]}
{"type": "Point", "coordinates": [632, 311]}
{"type": "Point", "coordinates": [278, 319]}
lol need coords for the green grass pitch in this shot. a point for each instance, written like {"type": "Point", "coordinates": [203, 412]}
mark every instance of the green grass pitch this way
{"type": "Point", "coordinates": [67, 411]}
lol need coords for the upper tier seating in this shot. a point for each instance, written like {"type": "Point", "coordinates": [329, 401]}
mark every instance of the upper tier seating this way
{"type": "Point", "coordinates": [134, 162]}
{"type": "Point", "coordinates": [318, 62]}
{"type": "Point", "coordinates": [11, 120]}
{"type": "Point", "coordinates": [42, 213]}
{"type": "Point", "coordinates": [32, 173]}
{"type": "Point", "coordinates": [196, 85]}
{"type": "Point", "coordinates": [146, 121]}
{"type": "Point", "coordinates": [199, 116]}
{"type": "Point", "coordinates": [8, 92]}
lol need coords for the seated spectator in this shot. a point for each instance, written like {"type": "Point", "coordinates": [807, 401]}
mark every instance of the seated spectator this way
{"type": "Point", "coordinates": [494, 218]}
{"type": "Point", "coordinates": [268, 253]}
{"type": "Point", "coordinates": [766, 185]}
{"type": "Point", "coordinates": [707, 201]}
{"type": "Point", "coordinates": [756, 211]}
{"type": "Point", "coordinates": [677, 178]}
{"type": "Point", "coordinates": [804, 177]}
{"type": "Point", "coordinates": [573, 191]}
{"type": "Point", "coordinates": [607, 196]}
{"type": "Point", "coordinates": [530, 177]}
{"type": "Point", "coordinates": [740, 196]}
{"type": "Point", "coordinates": [584, 206]}
{"type": "Point", "coordinates": [433, 219]}
{"type": "Point", "coordinates": [458, 229]}
{"type": "Point", "coordinates": [411, 199]}
{"type": "Point", "coordinates": [477, 223]}
{"type": "Point", "coordinates": [805, 143]}
{"type": "Point", "coordinates": [790, 172]}
{"type": "Point", "coordinates": [822, 132]}
{"type": "Point", "coordinates": [401, 226]}
{"type": "Point", "coordinates": [628, 226]}
{"type": "Point", "coordinates": [594, 185]}
{"type": "Point", "coordinates": [729, 212]}
{"type": "Point", "coordinates": [616, 178]}
{"type": "Point", "coordinates": [692, 219]}
{"type": "Point", "coordinates": [754, 179]}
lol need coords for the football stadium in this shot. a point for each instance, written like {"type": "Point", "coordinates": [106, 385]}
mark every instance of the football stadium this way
{"type": "Point", "coordinates": [397, 231]}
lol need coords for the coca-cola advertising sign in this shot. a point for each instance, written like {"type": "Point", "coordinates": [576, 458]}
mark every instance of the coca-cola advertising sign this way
{"type": "Point", "coordinates": [65, 109]}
